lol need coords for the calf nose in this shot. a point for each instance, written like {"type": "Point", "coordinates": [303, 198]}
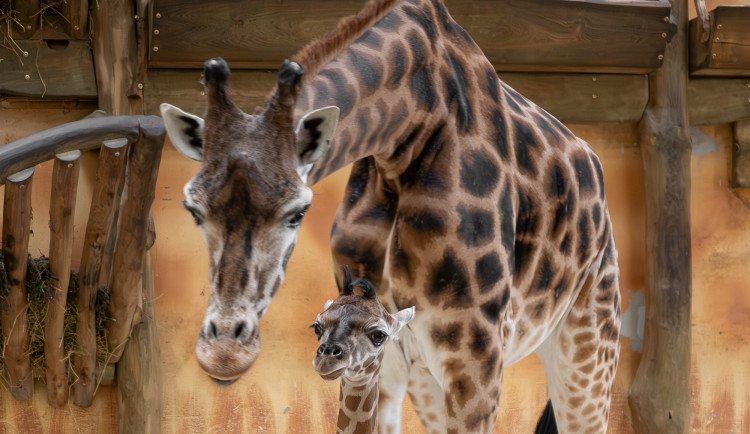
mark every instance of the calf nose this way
{"type": "Point", "coordinates": [239, 330]}
{"type": "Point", "coordinates": [333, 350]}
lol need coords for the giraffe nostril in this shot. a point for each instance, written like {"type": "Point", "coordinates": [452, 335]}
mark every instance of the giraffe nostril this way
{"type": "Point", "coordinates": [239, 330]}
{"type": "Point", "coordinates": [213, 332]}
{"type": "Point", "coordinates": [337, 352]}
{"type": "Point", "coordinates": [321, 350]}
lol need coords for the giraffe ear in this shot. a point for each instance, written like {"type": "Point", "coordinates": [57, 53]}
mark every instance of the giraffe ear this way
{"type": "Point", "coordinates": [185, 131]}
{"type": "Point", "coordinates": [327, 305]}
{"type": "Point", "coordinates": [402, 318]}
{"type": "Point", "coordinates": [314, 132]}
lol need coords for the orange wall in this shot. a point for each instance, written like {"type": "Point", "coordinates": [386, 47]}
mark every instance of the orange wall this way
{"type": "Point", "coordinates": [282, 393]}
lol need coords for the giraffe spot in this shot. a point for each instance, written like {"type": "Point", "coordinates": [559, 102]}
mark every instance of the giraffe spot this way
{"type": "Point", "coordinates": [557, 185]}
{"type": "Point", "coordinates": [425, 221]}
{"type": "Point", "coordinates": [492, 309]}
{"type": "Point", "coordinates": [421, 171]}
{"type": "Point", "coordinates": [477, 419]}
{"type": "Point", "coordinates": [478, 174]}
{"type": "Point", "coordinates": [455, 88]}
{"type": "Point", "coordinates": [449, 282]}
{"type": "Point", "coordinates": [349, 250]}
{"type": "Point", "coordinates": [536, 311]}
{"type": "Point", "coordinates": [599, 175]}
{"type": "Point", "coordinates": [525, 145]}
{"type": "Point", "coordinates": [421, 80]}
{"type": "Point", "coordinates": [402, 262]}
{"type": "Point", "coordinates": [528, 218]}
{"type": "Point", "coordinates": [609, 331]}
{"type": "Point", "coordinates": [399, 65]}
{"type": "Point", "coordinates": [462, 389]}
{"type": "Point", "coordinates": [391, 21]}
{"type": "Point", "coordinates": [575, 402]}
{"type": "Point", "coordinates": [507, 225]}
{"type": "Point", "coordinates": [370, 401]}
{"type": "Point", "coordinates": [588, 368]}
{"type": "Point", "coordinates": [523, 254]}
{"type": "Point", "coordinates": [480, 340]}
{"type": "Point", "coordinates": [351, 402]}
{"type": "Point", "coordinates": [557, 124]}
{"type": "Point", "coordinates": [405, 143]}
{"type": "Point", "coordinates": [583, 237]}
{"type": "Point", "coordinates": [584, 175]}
{"type": "Point", "coordinates": [492, 83]}
{"type": "Point", "coordinates": [342, 95]}
{"type": "Point", "coordinates": [343, 420]}
{"type": "Point", "coordinates": [489, 271]}
{"type": "Point", "coordinates": [585, 351]}
{"type": "Point", "coordinates": [581, 338]}
{"type": "Point", "coordinates": [513, 99]}
{"type": "Point", "coordinates": [447, 336]}
{"type": "Point", "coordinates": [490, 365]}
{"type": "Point", "coordinates": [501, 138]}
{"type": "Point", "coordinates": [369, 38]}
{"type": "Point", "coordinates": [565, 244]}
{"type": "Point", "coordinates": [596, 215]}
{"type": "Point", "coordinates": [358, 180]}
{"type": "Point", "coordinates": [561, 288]}
{"type": "Point", "coordinates": [544, 275]}
{"type": "Point", "coordinates": [476, 227]}
{"type": "Point", "coordinates": [547, 128]}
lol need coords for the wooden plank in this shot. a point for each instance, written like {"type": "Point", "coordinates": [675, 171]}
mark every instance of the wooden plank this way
{"type": "Point", "coordinates": [718, 100]}
{"type": "Point", "coordinates": [139, 379]}
{"type": "Point", "coordinates": [112, 159]}
{"type": "Point", "coordinates": [48, 69]}
{"type": "Point", "coordinates": [16, 226]}
{"type": "Point", "coordinates": [26, 18]}
{"type": "Point", "coordinates": [76, 13]}
{"type": "Point", "coordinates": [533, 35]}
{"type": "Point", "coordinates": [741, 155]}
{"type": "Point", "coordinates": [61, 210]}
{"type": "Point", "coordinates": [725, 50]}
{"type": "Point", "coordinates": [582, 98]}
{"type": "Point", "coordinates": [659, 396]}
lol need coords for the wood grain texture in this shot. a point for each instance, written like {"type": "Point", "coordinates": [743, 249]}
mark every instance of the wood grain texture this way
{"type": "Point", "coordinates": [516, 35]}
{"type": "Point", "coordinates": [16, 225]}
{"type": "Point", "coordinates": [139, 384]}
{"type": "Point", "coordinates": [726, 50]}
{"type": "Point", "coordinates": [49, 70]}
{"type": "Point", "coordinates": [127, 264]}
{"type": "Point", "coordinates": [718, 100]}
{"type": "Point", "coordinates": [660, 393]}
{"type": "Point", "coordinates": [61, 218]}
{"type": "Point", "coordinates": [112, 161]}
{"type": "Point", "coordinates": [741, 155]}
{"type": "Point", "coordinates": [76, 13]}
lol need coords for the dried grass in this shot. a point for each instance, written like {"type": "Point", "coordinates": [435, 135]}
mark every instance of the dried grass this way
{"type": "Point", "coordinates": [39, 295]}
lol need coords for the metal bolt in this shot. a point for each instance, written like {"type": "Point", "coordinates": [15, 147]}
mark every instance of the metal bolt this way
{"type": "Point", "coordinates": [203, 93]}
{"type": "Point", "coordinates": [156, 49]}
{"type": "Point", "coordinates": [28, 77]}
{"type": "Point", "coordinates": [748, 100]}
{"type": "Point", "coordinates": [663, 34]}
{"type": "Point", "coordinates": [158, 15]}
{"type": "Point", "coordinates": [719, 26]}
{"type": "Point", "coordinates": [25, 54]}
{"type": "Point", "coordinates": [117, 154]}
{"type": "Point", "coordinates": [593, 78]}
{"type": "Point", "coordinates": [666, 19]}
{"type": "Point", "coordinates": [76, 28]}
{"type": "Point", "coordinates": [747, 84]}
{"type": "Point", "coordinates": [140, 85]}
{"type": "Point", "coordinates": [713, 56]}
{"type": "Point", "coordinates": [716, 39]}
{"type": "Point", "coordinates": [136, 17]}
{"type": "Point", "coordinates": [70, 165]}
{"type": "Point", "coordinates": [28, 27]}
{"type": "Point", "coordinates": [661, 57]}
{"type": "Point", "coordinates": [22, 186]}
{"type": "Point", "coordinates": [156, 31]}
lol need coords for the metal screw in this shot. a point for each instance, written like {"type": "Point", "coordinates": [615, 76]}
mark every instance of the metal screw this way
{"type": "Point", "coordinates": [28, 77]}
{"type": "Point", "coordinates": [661, 57]}
{"type": "Point", "coordinates": [594, 96]}
{"type": "Point", "coordinates": [140, 85]}
{"type": "Point", "coordinates": [663, 34]}
{"type": "Point", "coordinates": [156, 49]}
{"type": "Point", "coordinates": [156, 31]}
{"type": "Point", "coordinates": [136, 17]}
{"type": "Point", "coordinates": [713, 56]}
{"type": "Point", "coordinates": [719, 26]}
{"type": "Point", "coordinates": [76, 28]}
{"type": "Point", "coordinates": [117, 154]}
{"type": "Point", "coordinates": [747, 84]}
{"type": "Point", "coordinates": [28, 27]}
{"type": "Point", "coordinates": [593, 78]}
{"type": "Point", "coordinates": [70, 165]}
{"type": "Point", "coordinates": [158, 15]}
{"type": "Point", "coordinates": [25, 54]}
{"type": "Point", "coordinates": [716, 39]}
{"type": "Point", "coordinates": [666, 19]}
{"type": "Point", "coordinates": [22, 186]}
{"type": "Point", "coordinates": [203, 93]}
{"type": "Point", "coordinates": [748, 100]}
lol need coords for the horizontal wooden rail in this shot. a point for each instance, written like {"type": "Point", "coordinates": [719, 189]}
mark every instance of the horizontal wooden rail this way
{"type": "Point", "coordinates": [83, 135]}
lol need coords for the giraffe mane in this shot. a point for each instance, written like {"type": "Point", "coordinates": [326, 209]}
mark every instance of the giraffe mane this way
{"type": "Point", "coordinates": [317, 53]}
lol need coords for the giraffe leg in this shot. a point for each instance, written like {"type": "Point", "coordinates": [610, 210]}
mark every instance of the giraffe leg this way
{"type": "Point", "coordinates": [580, 357]}
{"type": "Point", "coordinates": [392, 382]}
{"type": "Point", "coordinates": [425, 392]}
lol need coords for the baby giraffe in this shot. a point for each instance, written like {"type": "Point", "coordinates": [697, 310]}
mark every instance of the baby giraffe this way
{"type": "Point", "coordinates": [352, 331]}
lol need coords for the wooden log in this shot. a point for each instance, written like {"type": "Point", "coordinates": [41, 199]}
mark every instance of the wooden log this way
{"type": "Point", "coordinates": [718, 100]}
{"type": "Point", "coordinates": [50, 70]}
{"type": "Point", "coordinates": [139, 379]}
{"type": "Point", "coordinates": [83, 135]}
{"type": "Point", "coordinates": [660, 393]}
{"type": "Point", "coordinates": [528, 35]}
{"type": "Point", "coordinates": [76, 13]}
{"type": "Point", "coordinates": [741, 155]}
{"type": "Point", "coordinates": [127, 266]}
{"type": "Point", "coordinates": [112, 161]}
{"type": "Point", "coordinates": [16, 226]}
{"type": "Point", "coordinates": [62, 207]}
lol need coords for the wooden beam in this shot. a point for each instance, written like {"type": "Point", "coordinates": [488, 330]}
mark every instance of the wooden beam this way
{"type": "Point", "coordinates": [579, 98]}
{"type": "Point", "coordinates": [26, 14]}
{"type": "Point", "coordinates": [660, 392]}
{"type": "Point", "coordinates": [49, 70]}
{"type": "Point", "coordinates": [741, 155]}
{"type": "Point", "coordinates": [83, 135]}
{"type": "Point", "coordinates": [62, 214]}
{"type": "Point", "coordinates": [723, 50]}
{"type": "Point", "coordinates": [718, 100]}
{"type": "Point", "coordinates": [528, 35]}
{"type": "Point", "coordinates": [139, 371]}
{"type": "Point", "coordinates": [76, 13]}
{"type": "Point", "coordinates": [16, 226]}
{"type": "Point", "coordinates": [112, 160]}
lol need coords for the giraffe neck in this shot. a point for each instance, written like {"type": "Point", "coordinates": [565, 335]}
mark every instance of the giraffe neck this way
{"type": "Point", "coordinates": [391, 108]}
{"type": "Point", "coordinates": [358, 407]}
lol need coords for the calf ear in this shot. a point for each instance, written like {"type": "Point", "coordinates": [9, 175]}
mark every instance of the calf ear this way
{"type": "Point", "coordinates": [314, 132]}
{"type": "Point", "coordinates": [185, 131]}
{"type": "Point", "coordinates": [402, 318]}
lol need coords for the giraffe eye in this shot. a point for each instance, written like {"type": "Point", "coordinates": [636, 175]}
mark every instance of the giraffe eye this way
{"type": "Point", "coordinates": [378, 338]}
{"type": "Point", "coordinates": [193, 212]}
{"type": "Point", "coordinates": [317, 330]}
{"type": "Point", "coordinates": [296, 220]}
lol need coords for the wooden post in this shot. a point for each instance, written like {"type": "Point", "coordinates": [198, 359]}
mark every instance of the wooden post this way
{"type": "Point", "coordinates": [62, 207]}
{"type": "Point", "coordinates": [138, 372]}
{"type": "Point", "coordinates": [112, 159]}
{"type": "Point", "coordinates": [127, 266]}
{"type": "Point", "coordinates": [660, 393]}
{"type": "Point", "coordinates": [16, 227]}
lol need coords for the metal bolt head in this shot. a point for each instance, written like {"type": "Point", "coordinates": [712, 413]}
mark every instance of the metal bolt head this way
{"type": "Point", "coordinates": [158, 15]}
{"type": "Point", "coordinates": [713, 56]}
{"type": "Point", "coordinates": [25, 54]}
{"type": "Point", "coordinates": [716, 39]}
{"type": "Point", "coordinates": [666, 19]}
{"type": "Point", "coordinates": [663, 34]}
{"type": "Point", "coordinates": [76, 28]}
{"type": "Point", "coordinates": [719, 26]}
{"type": "Point", "coordinates": [140, 85]}
{"type": "Point", "coordinates": [156, 31]}
{"type": "Point", "coordinates": [70, 165]}
{"type": "Point", "coordinates": [117, 154]}
{"type": "Point", "coordinates": [28, 27]}
{"type": "Point", "coordinates": [661, 57]}
{"type": "Point", "coordinates": [156, 49]}
{"type": "Point", "coordinates": [593, 78]}
{"type": "Point", "coordinates": [136, 17]}
{"type": "Point", "coordinates": [27, 77]}
{"type": "Point", "coordinates": [594, 96]}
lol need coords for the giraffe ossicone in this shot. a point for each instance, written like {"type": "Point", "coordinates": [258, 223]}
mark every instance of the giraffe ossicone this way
{"type": "Point", "coordinates": [465, 200]}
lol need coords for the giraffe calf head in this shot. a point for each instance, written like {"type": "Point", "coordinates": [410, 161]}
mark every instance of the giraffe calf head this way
{"type": "Point", "coordinates": [352, 331]}
{"type": "Point", "coordinates": [248, 199]}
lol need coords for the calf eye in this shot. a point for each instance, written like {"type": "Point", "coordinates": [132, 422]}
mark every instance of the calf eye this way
{"type": "Point", "coordinates": [296, 220]}
{"type": "Point", "coordinates": [378, 338]}
{"type": "Point", "coordinates": [193, 212]}
{"type": "Point", "coordinates": [317, 330]}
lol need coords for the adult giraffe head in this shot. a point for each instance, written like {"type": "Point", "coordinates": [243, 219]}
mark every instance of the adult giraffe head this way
{"type": "Point", "coordinates": [248, 199]}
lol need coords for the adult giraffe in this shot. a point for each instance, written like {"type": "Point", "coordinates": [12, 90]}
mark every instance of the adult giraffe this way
{"type": "Point", "coordinates": [465, 200]}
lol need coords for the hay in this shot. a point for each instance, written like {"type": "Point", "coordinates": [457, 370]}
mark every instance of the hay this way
{"type": "Point", "coordinates": [39, 295]}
